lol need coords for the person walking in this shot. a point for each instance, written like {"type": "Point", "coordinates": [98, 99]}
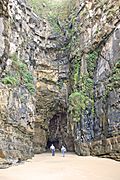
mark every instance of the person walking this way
{"type": "Point", "coordinates": [63, 150]}
{"type": "Point", "coordinates": [52, 148]}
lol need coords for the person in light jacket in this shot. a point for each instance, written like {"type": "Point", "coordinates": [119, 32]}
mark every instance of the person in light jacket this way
{"type": "Point", "coordinates": [63, 150]}
{"type": "Point", "coordinates": [52, 148]}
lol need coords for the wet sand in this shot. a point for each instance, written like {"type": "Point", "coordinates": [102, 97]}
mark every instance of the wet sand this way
{"type": "Point", "coordinates": [70, 167]}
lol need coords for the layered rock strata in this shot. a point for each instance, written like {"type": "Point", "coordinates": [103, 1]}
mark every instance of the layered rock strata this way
{"type": "Point", "coordinates": [17, 83]}
{"type": "Point", "coordinates": [100, 32]}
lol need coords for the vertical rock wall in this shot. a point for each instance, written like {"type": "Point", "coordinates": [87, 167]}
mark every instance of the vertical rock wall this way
{"type": "Point", "coordinates": [107, 96]}
{"type": "Point", "coordinates": [100, 32]}
{"type": "Point", "coordinates": [51, 103]}
{"type": "Point", "coordinates": [17, 108]}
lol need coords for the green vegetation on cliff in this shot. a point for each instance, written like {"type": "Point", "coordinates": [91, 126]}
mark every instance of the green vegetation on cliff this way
{"type": "Point", "coordinates": [91, 63]}
{"type": "Point", "coordinates": [20, 74]}
{"type": "Point", "coordinates": [83, 92]}
{"type": "Point", "coordinates": [77, 103]}
{"type": "Point", "coordinates": [113, 80]}
{"type": "Point", "coordinates": [11, 80]}
{"type": "Point", "coordinates": [53, 10]}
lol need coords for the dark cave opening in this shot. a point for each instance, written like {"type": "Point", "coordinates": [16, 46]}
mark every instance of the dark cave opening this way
{"type": "Point", "coordinates": [54, 132]}
{"type": "Point", "coordinates": [58, 134]}
{"type": "Point", "coordinates": [57, 130]}
{"type": "Point", "coordinates": [54, 142]}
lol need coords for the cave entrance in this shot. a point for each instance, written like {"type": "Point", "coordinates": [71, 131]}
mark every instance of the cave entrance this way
{"type": "Point", "coordinates": [57, 130]}
{"type": "Point", "coordinates": [54, 142]}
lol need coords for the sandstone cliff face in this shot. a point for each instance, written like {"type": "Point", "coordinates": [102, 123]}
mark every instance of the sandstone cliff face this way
{"type": "Point", "coordinates": [16, 98]}
{"type": "Point", "coordinates": [107, 93]}
{"type": "Point", "coordinates": [50, 97]}
{"type": "Point", "coordinates": [52, 73]}
{"type": "Point", "coordinates": [100, 32]}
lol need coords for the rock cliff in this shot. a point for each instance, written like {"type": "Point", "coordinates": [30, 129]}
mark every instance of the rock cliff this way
{"type": "Point", "coordinates": [17, 82]}
{"type": "Point", "coordinates": [98, 82]}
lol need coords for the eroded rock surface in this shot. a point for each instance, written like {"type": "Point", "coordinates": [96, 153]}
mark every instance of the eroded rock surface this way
{"type": "Point", "coordinates": [100, 32]}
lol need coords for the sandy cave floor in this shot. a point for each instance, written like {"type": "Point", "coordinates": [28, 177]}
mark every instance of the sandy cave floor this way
{"type": "Point", "coordinates": [70, 167]}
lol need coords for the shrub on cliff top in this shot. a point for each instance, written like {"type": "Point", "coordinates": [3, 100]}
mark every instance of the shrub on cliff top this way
{"type": "Point", "coordinates": [52, 8]}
